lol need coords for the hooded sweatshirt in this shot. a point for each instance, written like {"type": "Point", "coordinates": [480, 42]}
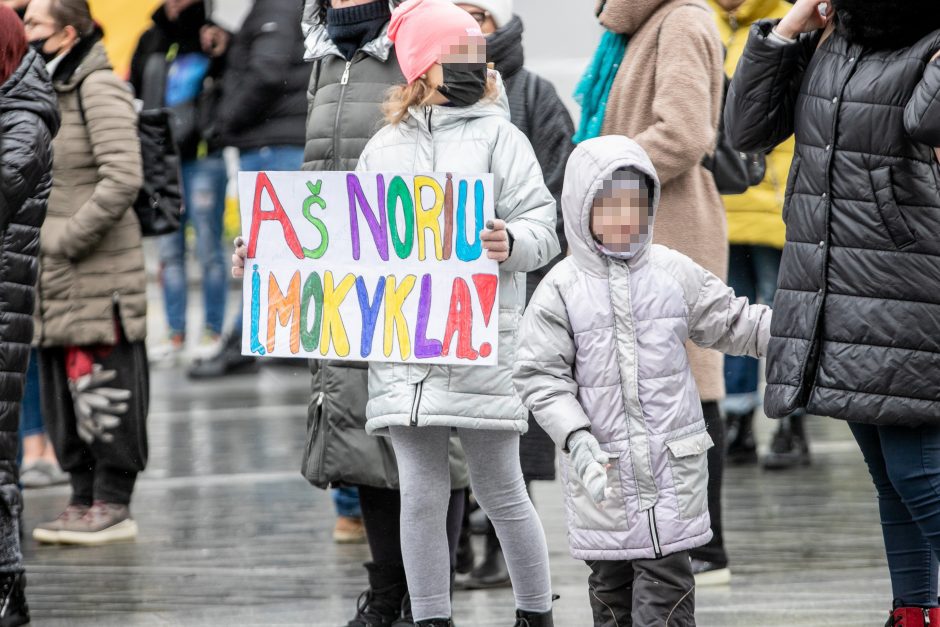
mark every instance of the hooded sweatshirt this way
{"type": "Point", "coordinates": [602, 347]}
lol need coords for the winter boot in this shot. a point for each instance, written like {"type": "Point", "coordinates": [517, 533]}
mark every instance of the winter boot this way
{"type": "Point", "coordinates": [909, 617]}
{"type": "Point", "coordinates": [435, 622]}
{"type": "Point", "coordinates": [742, 448]}
{"type": "Point", "coordinates": [13, 608]}
{"type": "Point", "coordinates": [406, 618]}
{"type": "Point", "coordinates": [492, 571]}
{"type": "Point", "coordinates": [531, 619]}
{"type": "Point", "coordinates": [789, 448]}
{"type": "Point", "coordinates": [381, 604]}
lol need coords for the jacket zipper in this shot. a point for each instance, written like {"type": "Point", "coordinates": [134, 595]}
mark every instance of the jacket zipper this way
{"type": "Point", "coordinates": [654, 534]}
{"type": "Point", "coordinates": [344, 82]}
{"type": "Point", "coordinates": [416, 403]}
{"type": "Point", "coordinates": [319, 429]}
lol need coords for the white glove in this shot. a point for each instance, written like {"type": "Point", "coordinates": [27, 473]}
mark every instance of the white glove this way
{"type": "Point", "coordinates": [588, 461]}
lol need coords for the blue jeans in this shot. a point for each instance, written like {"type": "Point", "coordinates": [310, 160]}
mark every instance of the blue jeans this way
{"type": "Point", "coordinates": [905, 466]}
{"type": "Point", "coordinates": [30, 410]}
{"type": "Point", "coordinates": [347, 502]}
{"type": "Point", "coordinates": [272, 159]}
{"type": "Point", "coordinates": [204, 182]}
{"type": "Point", "coordinates": [752, 272]}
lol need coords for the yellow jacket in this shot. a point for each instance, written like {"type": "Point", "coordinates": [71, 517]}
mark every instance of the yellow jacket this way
{"type": "Point", "coordinates": [755, 217]}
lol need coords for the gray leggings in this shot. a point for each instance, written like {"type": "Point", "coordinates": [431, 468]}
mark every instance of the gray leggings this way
{"type": "Point", "coordinates": [496, 479]}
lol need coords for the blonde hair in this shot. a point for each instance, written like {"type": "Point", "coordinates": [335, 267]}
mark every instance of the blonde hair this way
{"type": "Point", "coordinates": [400, 98]}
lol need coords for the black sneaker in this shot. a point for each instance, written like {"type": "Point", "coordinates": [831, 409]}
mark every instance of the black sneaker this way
{"type": "Point", "coordinates": [789, 448]}
{"type": "Point", "coordinates": [742, 448]}
{"type": "Point", "coordinates": [13, 608]}
{"type": "Point", "coordinates": [381, 604]}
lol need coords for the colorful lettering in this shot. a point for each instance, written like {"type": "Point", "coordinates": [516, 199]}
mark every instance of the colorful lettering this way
{"type": "Point", "coordinates": [370, 312]}
{"type": "Point", "coordinates": [333, 329]}
{"type": "Point", "coordinates": [313, 291]}
{"type": "Point", "coordinates": [378, 224]}
{"type": "Point", "coordinates": [255, 343]}
{"type": "Point", "coordinates": [460, 321]}
{"type": "Point", "coordinates": [425, 348]}
{"type": "Point", "coordinates": [449, 217]}
{"type": "Point", "coordinates": [465, 250]}
{"type": "Point", "coordinates": [429, 219]}
{"type": "Point", "coordinates": [398, 193]}
{"type": "Point", "coordinates": [262, 185]}
{"type": "Point", "coordinates": [315, 199]}
{"type": "Point", "coordinates": [395, 320]}
{"type": "Point", "coordinates": [284, 308]}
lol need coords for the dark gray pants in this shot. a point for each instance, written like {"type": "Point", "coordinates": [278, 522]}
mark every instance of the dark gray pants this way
{"type": "Point", "coordinates": [643, 593]}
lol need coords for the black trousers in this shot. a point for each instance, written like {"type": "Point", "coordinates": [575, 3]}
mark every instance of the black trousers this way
{"type": "Point", "coordinates": [714, 551]}
{"type": "Point", "coordinates": [643, 593]}
{"type": "Point", "coordinates": [381, 513]}
{"type": "Point", "coordinates": [95, 402]}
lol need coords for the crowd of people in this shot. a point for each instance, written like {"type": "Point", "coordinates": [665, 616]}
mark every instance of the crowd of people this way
{"type": "Point", "coordinates": [613, 243]}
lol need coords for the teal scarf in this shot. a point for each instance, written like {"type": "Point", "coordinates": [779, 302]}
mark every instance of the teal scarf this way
{"type": "Point", "coordinates": [594, 88]}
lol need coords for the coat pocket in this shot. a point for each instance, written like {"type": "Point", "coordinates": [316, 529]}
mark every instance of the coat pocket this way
{"type": "Point", "coordinates": [611, 513]}
{"type": "Point", "coordinates": [688, 460]}
{"type": "Point", "coordinates": [791, 184]}
{"type": "Point", "coordinates": [882, 184]}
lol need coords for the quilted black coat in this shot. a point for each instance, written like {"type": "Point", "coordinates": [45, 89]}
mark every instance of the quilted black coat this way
{"type": "Point", "coordinates": [29, 118]}
{"type": "Point", "coordinates": [856, 328]}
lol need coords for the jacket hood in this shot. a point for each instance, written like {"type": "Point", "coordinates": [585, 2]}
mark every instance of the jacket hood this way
{"type": "Point", "coordinates": [504, 48]}
{"type": "Point", "coordinates": [886, 24]}
{"type": "Point", "coordinates": [445, 116]}
{"type": "Point", "coordinates": [628, 16]}
{"type": "Point", "coordinates": [319, 45]}
{"type": "Point", "coordinates": [592, 163]}
{"type": "Point", "coordinates": [29, 89]}
{"type": "Point", "coordinates": [749, 12]}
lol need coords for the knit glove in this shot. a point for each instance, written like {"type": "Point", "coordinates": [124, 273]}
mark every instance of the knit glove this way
{"type": "Point", "coordinates": [588, 461]}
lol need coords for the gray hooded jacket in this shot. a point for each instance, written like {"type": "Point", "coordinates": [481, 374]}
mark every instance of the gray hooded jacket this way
{"type": "Point", "coordinates": [476, 139]}
{"type": "Point", "coordinates": [603, 348]}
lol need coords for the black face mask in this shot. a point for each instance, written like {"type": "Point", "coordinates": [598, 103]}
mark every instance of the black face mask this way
{"type": "Point", "coordinates": [353, 27]}
{"type": "Point", "coordinates": [38, 47]}
{"type": "Point", "coordinates": [464, 83]}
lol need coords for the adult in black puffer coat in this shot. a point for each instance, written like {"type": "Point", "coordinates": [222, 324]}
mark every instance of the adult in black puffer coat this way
{"type": "Point", "coordinates": [29, 118]}
{"type": "Point", "coordinates": [856, 332]}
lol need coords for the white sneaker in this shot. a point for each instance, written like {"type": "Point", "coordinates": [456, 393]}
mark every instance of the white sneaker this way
{"type": "Point", "coordinates": [169, 354]}
{"type": "Point", "coordinates": [209, 346]}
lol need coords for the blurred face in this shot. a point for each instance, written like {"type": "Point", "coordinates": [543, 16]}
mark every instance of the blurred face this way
{"type": "Point", "coordinates": [466, 56]}
{"type": "Point", "coordinates": [483, 17]}
{"type": "Point", "coordinates": [173, 8]}
{"type": "Point", "coordinates": [43, 32]}
{"type": "Point", "coordinates": [622, 215]}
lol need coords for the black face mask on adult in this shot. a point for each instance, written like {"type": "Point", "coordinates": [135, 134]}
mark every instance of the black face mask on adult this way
{"type": "Point", "coordinates": [464, 83]}
{"type": "Point", "coordinates": [38, 45]}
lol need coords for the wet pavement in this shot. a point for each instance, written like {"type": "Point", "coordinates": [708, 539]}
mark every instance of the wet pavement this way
{"type": "Point", "coordinates": [231, 534]}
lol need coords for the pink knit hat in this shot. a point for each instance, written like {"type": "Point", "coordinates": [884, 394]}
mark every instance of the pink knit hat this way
{"type": "Point", "coordinates": [423, 29]}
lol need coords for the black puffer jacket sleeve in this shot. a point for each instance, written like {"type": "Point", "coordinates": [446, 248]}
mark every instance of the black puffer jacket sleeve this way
{"type": "Point", "coordinates": [550, 132]}
{"type": "Point", "coordinates": [762, 98]}
{"type": "Point", "coordinates": [922, 115]}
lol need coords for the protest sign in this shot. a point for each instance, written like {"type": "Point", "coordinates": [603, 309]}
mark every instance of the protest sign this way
{"type": "Point", "coordinates": [369, 267]}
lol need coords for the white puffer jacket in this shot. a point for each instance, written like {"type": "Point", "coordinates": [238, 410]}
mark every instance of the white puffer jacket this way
{"type": "Point", "coordinates": [603, 348]}
{"type": "Point", "coordinates": [473, 140]}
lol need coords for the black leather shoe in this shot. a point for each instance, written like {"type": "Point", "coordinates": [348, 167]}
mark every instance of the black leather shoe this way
{"type": "Point", "coordinates": [13, 608]}
{"type": "Point", "coordinates": [789, 448]}
{"type": "Point", "coordinates": [742, 448]}
{"type": "Point", "coordinates": [530, 619]}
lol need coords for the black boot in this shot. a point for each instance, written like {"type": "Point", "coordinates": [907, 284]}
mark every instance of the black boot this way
{"type": "Point", "coordinates": [492, 571]}
{"type": "Point", "coordinates": [530, 619]}
{"type": "Point", "coordinates": [406, 618]}
{"type": "Point", "coordinates": [789, 448]}
{"type": "Point", "coordinates": [229, 360]}
{"type": "Point", "coordinates": [381, 604]}
{"type": "Point", "coordinates": [13, 608]}
{"type": "Point", "coordinates": [435, 622]}
{"type": "Point", "coordinates": [742, 448]}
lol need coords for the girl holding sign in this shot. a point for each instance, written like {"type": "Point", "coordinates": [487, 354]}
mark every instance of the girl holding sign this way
{"type": "Point", "coordinates": [452, 116]}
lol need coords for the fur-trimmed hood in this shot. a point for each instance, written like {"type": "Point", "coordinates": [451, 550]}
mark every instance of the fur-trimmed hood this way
{"type": "Point", "coordinates": [886, 24]}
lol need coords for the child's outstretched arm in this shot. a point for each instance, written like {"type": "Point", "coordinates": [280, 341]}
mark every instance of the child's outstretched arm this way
{"type": "Point", "coordinates": [543, 370]}
{"type": "Point", "coordinates": [729, 324]}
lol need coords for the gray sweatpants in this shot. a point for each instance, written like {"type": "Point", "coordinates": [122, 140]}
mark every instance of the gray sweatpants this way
{"type": "Point", "coordinates": [496, 479]}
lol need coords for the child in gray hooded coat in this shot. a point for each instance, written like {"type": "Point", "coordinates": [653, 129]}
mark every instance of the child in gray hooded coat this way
{"type": "Point", "coordinates": [602, 365]}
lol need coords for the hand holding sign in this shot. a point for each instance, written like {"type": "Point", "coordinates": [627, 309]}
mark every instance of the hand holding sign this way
{"type": "Point", "coordinates": [496, 240]}
{"type": "Point", "coordinates": [238, 258]}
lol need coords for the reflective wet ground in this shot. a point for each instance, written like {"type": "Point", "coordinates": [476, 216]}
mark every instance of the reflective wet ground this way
{"type": "Point", "coordinates": [232, 535]}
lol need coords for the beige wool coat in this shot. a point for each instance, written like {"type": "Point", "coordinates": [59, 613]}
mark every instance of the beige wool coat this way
{"type": "Point", "coordinates": [667, 97]}
{"type": "Point", "coordinates": [91, 259]}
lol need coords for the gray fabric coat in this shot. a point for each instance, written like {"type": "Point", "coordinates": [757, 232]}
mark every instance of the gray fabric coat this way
{"type": "Point", "coordinates": [857, 330]}
{"type": "Point", "coordinates": [476, 139]}
{"type": "Point", "coordinates": [603, 348]}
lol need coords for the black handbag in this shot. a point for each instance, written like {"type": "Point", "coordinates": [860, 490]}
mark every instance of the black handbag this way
{"type": "Point", "coordinates": [734, 171]}
{"type": "Point", "coordinates": [159, 204]}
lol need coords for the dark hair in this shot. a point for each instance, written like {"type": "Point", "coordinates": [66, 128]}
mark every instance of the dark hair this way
{"type": "Point", "coordinates": [13, 44]}
{"type": "Point", "coordinates": [74, 13]}
{"type": "Point", "coordinates": [886, 24]}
